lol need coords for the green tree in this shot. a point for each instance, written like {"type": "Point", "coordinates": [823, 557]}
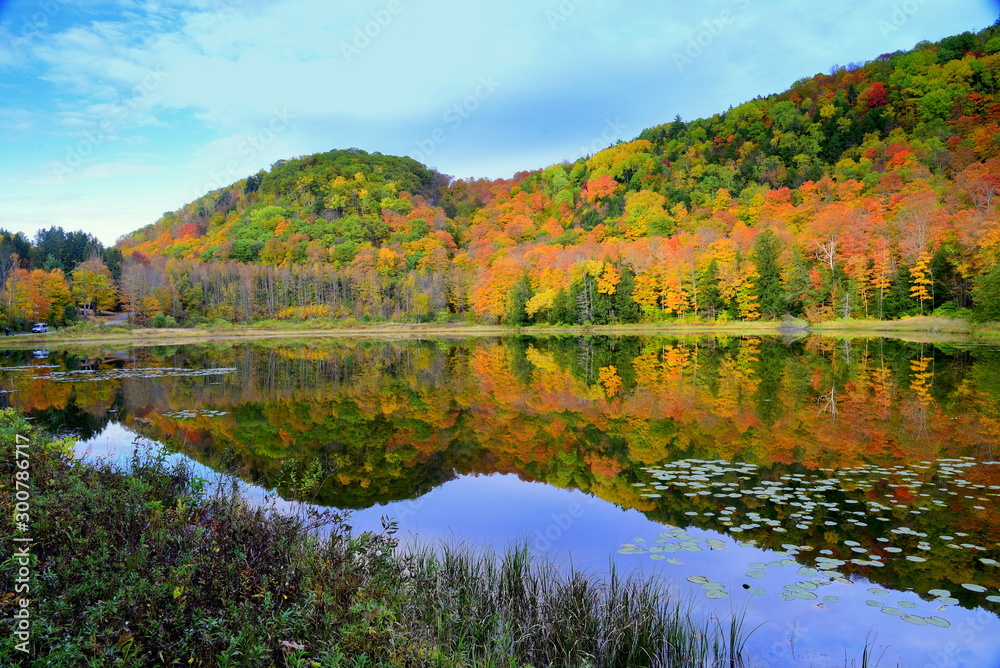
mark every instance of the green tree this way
{"type": "Point", "coordinates": [624, 308]}
{"type": "Point", "coordinates": [768, 284]}
{"type": "Point", "coordinates": [519, 296]}
{"type": "Point", "coordinates": [711, 301]}
{"type": "Point", "coordinates": [986, 296]}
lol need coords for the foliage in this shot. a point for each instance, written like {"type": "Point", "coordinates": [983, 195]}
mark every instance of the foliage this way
{"type": "Point", "coordinates": [869, 192]}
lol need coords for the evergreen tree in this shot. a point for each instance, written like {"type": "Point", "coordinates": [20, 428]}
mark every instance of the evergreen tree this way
{"type": "Point", "coordinates": [563, 311]}
{"type": "Point", "coordinates": [898, 300]}
{"type": "Point", "coordinates": [520, 294]}
{"type": "Point", "coordinates": [798, 285]}
{"type": "Point", "coordinates": [768, 284]}
{"type": "Point", "coordinates": [711, 298]}
{"type": "Point", "coordinates": [986, 296]}
{"type": "Point", "coordinates": [625, 309]}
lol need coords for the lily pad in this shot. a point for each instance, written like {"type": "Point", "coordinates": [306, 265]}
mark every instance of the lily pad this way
{"type": "Point", "coordinates": [631, 549]}
{"type": "Point", "coordinates": [807, 595]}
{"type": "Point", "coordinates": [907, 604]}
{"type": "Point", "coordinates": [892, 611]}
{"type": "Point", "coordinates": [756, 591]}
{"type": "Point", "coordinates": [974, 587]}
{"type": "Point", "coordinates": [754, 574]}
{"type": "Point", "coordinates": [657, 557]}
{"type": "Point", "coordinates": [874, 604]}
{"type": "Point", "coordinates": [993, 599]}
{"type": "Point", "coordinates": [938, 621]}
{"type": "Point", "coordinates": [939, 592]}
{"type": "Point", "coordinates": [715, 593]}
{"type": "Point", "coordinates": [697, 579]}
{"type": "Point", "coordinates": [915, 619]}
{"type": "Point", "coordinates": [832, 599]}
{"type": "Point", "coordinates": [877, 591]}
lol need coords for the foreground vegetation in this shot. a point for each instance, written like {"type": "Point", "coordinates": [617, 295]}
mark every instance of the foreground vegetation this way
{"type": "Point", "coordinates": [144, 566]}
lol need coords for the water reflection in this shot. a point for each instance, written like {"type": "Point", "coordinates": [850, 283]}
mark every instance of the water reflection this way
{"type": "Point", "coordinates": [864, 461]}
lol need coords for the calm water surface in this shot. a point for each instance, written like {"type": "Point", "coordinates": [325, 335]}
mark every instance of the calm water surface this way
{"type": "Point", "coordinates": [833, 490]}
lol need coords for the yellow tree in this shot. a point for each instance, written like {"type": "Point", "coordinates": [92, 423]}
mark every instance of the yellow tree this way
{"type": "Point", "coordinates": [55, 293]}
{"type": "Point", "coordinates": [92, 285]}
{"type": "Point", "coordinates": [607, 282]}
{"type": "Point", "coordinates": [18, 300]}
{"type": "Point", "coordinates": [880, 278]}
{"type": "Point", "coordinates": [921, 279]}
{"type": "Point", "coordinates": [645, 214]}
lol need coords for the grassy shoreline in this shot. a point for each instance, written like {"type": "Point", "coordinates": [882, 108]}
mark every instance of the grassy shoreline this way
{"type": "Point", "coordinates": [144, 566]}
{"type": "Point", "coordinates": [919, 329]}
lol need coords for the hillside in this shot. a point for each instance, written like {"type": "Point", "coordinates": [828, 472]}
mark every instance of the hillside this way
{"type": "Point", "coordinates": [866, 192]}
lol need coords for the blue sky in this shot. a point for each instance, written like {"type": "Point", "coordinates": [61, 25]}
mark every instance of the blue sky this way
{"type": "Point", "coordinates": [114, 111]}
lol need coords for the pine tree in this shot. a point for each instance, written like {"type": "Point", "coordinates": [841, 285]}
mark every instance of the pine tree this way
{"type": "Point", "coordinates": [771, 293]}
{"type": "Point", "coordinates": [711, 297]}
{"type": "Point", "coordinates": [986, 296]}
{"type": "Point", "coordinates": [519, 296]}
{"type": "Point", "coordinates": [625, 308]}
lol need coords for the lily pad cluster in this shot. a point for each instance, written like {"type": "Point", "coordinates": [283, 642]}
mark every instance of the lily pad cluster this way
{"type": "Point", "coordinates": [97, 375]}
{"type": "Point", "coordinates": [879, 501]}
{"type": "Point", "coordinates": [191, 413]}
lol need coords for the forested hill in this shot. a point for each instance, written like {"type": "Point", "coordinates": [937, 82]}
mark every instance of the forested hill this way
{"type": "Point", "coordinates": [866, 192]}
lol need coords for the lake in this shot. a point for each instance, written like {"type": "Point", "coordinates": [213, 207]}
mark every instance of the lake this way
{"type": "Point", "coordinates": [834, 492]}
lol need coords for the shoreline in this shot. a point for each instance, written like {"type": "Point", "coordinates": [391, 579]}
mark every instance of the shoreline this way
{"type": "Point", "coordinates": [919, 329]}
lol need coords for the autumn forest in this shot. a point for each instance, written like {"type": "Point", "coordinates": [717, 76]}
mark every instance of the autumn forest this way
{"type": "Point", "coordinates": [866, 193]}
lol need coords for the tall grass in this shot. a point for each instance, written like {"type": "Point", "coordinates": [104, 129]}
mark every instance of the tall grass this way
{"type": "Point", "coordinates": [512, 609]}
{"type": "Point", "coordinates": [146, 567]}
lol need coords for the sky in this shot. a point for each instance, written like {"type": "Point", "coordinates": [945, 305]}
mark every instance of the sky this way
{"type": "Point", "coordinates": [113, 112]}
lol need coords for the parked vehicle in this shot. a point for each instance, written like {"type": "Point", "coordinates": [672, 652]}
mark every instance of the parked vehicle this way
{"type": "Point", "coordinates": [39, 328]}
